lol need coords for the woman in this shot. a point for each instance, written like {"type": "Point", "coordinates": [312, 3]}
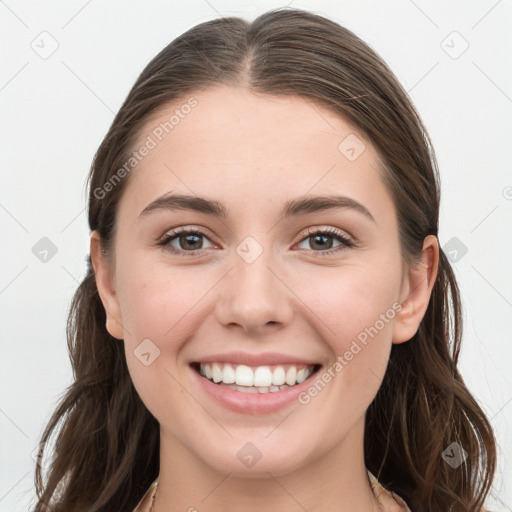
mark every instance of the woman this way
{"type": "Point", "coordinates": [268, 321]}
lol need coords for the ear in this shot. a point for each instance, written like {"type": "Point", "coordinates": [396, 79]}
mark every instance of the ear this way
{"type": "Point", "coordinates": [105, 284]}
{"type": "Point", "coordinates": [416, 291]}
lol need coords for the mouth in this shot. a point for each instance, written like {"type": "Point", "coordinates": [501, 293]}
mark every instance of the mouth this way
{"type": "Point", "coordinates": [255, 379]}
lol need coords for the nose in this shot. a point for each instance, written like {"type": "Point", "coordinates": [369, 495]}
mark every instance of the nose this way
{"type": "Point", "coordinates": [254, 296]}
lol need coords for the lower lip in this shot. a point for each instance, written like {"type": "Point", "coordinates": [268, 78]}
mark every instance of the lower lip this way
{"type": "Point", "coordinates": [252, 403]}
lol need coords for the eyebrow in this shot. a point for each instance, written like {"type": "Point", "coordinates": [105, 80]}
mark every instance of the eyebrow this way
{"type": "Point", "coordinates": [291, 208]}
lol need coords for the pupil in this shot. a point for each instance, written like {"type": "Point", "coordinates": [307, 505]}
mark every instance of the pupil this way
{"type": "Point", "coordinates": [322, 237]}
{"type": "Point", "coordinates": [187, 237]}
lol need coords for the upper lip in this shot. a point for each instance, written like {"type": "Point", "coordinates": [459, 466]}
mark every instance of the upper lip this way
{"type": "Point", "coordinates": [263, 359]}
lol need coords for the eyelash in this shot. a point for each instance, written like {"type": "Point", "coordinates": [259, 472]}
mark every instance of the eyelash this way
{"type": "Point", "coordinates": [334, 233]}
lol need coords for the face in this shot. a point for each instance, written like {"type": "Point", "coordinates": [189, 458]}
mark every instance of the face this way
{"type": "Point", "coordinates": [249, 295]}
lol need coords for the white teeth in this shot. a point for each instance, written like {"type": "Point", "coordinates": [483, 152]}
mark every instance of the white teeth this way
{"type": "Point", "coordinates": [244, 376]}
{"type": "Point", "coordinates": [216, 372]}
{"type": "Point", "coordinates": [228, 374]}
{"type": "Point", "coordinates": [278, 376]}
{"type": "Point", "coordinates": [301, 375]}
{"type": "Point", "coordinates": [262, 376]}
{"type": "Point", "coordinates": [262, 379]}
{"type": "Point", "coordinates": [291, 375]}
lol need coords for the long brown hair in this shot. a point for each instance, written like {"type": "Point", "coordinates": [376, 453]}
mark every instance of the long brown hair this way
{"type": "Point", "coordinates": [106, 451]}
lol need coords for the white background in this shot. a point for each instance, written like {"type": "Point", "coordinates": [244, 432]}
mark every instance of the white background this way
{"type": "Point", "coordinates": [55, 112]}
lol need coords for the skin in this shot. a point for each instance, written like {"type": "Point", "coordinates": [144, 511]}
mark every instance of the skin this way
{"type": "Point", "coordinates": [253, 153]}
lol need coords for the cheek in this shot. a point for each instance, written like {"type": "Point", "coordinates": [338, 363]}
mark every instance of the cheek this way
{"type": "Point", "coordinates": [157, 317]}
{"type": "Point", "coordinates": [158, 302]}
{"type": "Point", "coordinates": [154, 309]}
{"type": "Point", "coordinates": [359, 309]}
{"type": "Point", "coordinates": [166, 306]}
{"type": "Point", "coordinates": [357, 299]}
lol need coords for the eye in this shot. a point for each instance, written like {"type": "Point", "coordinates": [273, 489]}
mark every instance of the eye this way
{"type": "Point", "coordinates": [183, 240]}
{"type": "Point", "coordinates": [186, 241]}
{"type": "Point", "coordinates": [322, 239]}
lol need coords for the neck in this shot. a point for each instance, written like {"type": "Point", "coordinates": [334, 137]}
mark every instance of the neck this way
{"type": "Point", "coordinates": [335, 481]}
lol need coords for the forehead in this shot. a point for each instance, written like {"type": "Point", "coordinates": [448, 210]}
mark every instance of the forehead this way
{"type": "Point", "coordinates": [252, 149]}
{"type": "Point", "coordinates": [232, 122]}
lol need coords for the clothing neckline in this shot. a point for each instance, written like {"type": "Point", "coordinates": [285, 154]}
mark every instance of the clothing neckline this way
{"type": "Point", "coordinates": [391, 501]}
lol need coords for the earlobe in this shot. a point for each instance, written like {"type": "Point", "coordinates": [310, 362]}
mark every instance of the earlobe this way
{"type": "Point", "coordinates": [106, 289]}
{"type": "Point", "coordinates": [416, 291]}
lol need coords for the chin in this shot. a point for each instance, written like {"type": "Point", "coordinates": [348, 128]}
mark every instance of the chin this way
{"type": "Point", "coordinates": [256, 459]}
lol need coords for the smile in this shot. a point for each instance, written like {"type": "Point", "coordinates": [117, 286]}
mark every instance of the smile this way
{"type": "Point", "coordinates": [255, 379]}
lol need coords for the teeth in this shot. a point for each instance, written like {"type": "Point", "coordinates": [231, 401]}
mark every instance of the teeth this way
{"type": "Point", "coordinates": [243, 376]}
{"type": "Point", "coordinates": [253, 389]}
{"type": "Point", "coordinates": [228, 374]}
{"type": "Point", "coordinates": [278, 376]}
{"type": "Point", "coordinates": [262, 376]}
{"type": "Point", "coordinates": [216, 372]}
{"type": "Point", "coordinates": [291, 375]}
{"type": "Point", "coordinates": [301, 376]}
{"type": "Point", "coordinates": [261, 379]}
